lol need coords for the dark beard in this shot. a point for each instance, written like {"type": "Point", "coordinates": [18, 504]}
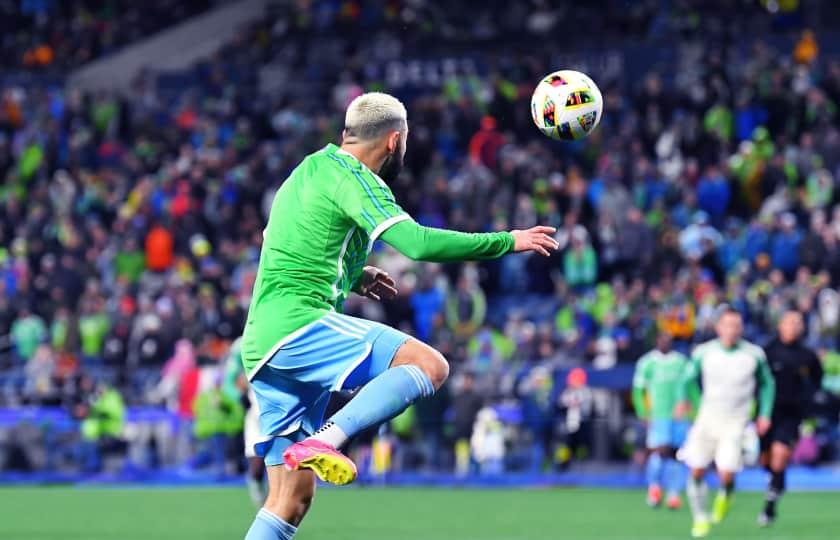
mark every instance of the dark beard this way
{"type": "Point", "coordinates": [391, 168]}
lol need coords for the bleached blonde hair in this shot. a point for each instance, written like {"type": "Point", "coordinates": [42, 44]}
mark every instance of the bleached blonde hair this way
{"type": "Point", "coordinates": [372, 115]}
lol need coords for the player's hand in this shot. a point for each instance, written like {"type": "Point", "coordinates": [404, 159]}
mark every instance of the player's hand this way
{"type": "Point", "coordinates": [762, 425]}
{"type": "Point", "coordinates": [535, 239]}
{"type": "Point", "coordinates": [375, 283]}
{"type": "Point", "coordinates": [681, 410]}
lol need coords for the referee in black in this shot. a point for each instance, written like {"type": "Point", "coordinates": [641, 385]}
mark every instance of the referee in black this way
{"type": "Point", "coordinates": [798, 375]}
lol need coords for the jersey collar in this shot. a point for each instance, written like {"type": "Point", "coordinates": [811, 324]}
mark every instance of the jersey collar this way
{"type": "Point", "coordinates": [734, 347]}
{"type": "Point", "coordinates": [333, 149]}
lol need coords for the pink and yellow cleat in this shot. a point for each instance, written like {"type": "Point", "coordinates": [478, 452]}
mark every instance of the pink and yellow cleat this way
{"type": "Point", "coordinates": [326, 462]}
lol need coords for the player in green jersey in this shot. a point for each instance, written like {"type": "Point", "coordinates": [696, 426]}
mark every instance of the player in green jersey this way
{"type": "Point", "coordinates": [298, 347]}
{"type": "Point", "coordinates": [655, 383]}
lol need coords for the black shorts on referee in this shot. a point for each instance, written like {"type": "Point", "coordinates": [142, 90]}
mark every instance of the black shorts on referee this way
{"type": "Point", "coordinates": [783, 429]}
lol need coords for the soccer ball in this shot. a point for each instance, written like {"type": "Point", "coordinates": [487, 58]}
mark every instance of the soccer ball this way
{"type": "Point", "coordinates": [566, 105]}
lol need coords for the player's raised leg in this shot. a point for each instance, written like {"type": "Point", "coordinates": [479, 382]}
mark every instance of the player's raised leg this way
{"type": "Point", "coordinates": [289, 496]}
{"type": "Point", "coordinates": [417, 370]}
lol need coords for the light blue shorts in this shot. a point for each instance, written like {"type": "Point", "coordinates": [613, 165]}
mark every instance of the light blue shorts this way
{"type": "Point", "coordinates": [666, 432]}
{"type": "Point", "coordinates": [336, 352]}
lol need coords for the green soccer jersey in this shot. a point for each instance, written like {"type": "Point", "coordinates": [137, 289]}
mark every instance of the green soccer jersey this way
{"type": "Point", "coordinates": [659, 376]}
{"type": "Point", "coordinates": [321, 228]}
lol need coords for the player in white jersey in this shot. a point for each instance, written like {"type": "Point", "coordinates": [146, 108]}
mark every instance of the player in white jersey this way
{"type": "Point", "coordinates": [730, 370]}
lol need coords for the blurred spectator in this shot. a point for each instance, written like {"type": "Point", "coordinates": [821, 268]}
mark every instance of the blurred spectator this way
{"type": "Point", "coordinates": [159, 246]}
{"type": "Point", "coordinates": [466, 308]}
{"type": "Point", "coordinates": [636, 244]}
{"type": "Point", "coordinates": [488, 442]}
{"type": "Point", "coordinates": [427, 301]}
{"type": "Point", "coordinates": [27, 332]}
{"type": "Point", "coordinates": [806, 48]}
{"type": "Point", "coordinates": [466, 403]}
{"type": "Point", "coordinates": [102, 415]}
{"type": "Point", "coordinates": [580, 263]}
{"type": "Point", "coordinates": [784, 248]}
{"type": "Point", "coordinates": [218, 418]}
{"type": "Point", "coordinates": [713, 194]}
{"type": "Point", "coordinates": [41, 374]}
{"type": "Point", "coordinates": [576, 402]}
{"type": "Point", "coordinates": [484, 145]}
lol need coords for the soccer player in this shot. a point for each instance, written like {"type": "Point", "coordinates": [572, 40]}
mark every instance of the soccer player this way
{"type": "Point", "coordinates": [798, 373]}
{"type": "Point", "coordinates": [298, 347]}
{"type": "Point", "coordinates": [731, 370]}
{"type": "Point", "coordinates": [655, 381]}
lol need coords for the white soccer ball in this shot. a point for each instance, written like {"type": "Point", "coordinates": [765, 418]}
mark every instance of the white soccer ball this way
{"type": "Point", "coordinates": [566, 105]}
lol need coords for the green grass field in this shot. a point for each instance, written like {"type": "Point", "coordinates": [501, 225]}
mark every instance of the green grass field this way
{"type": "Point", "coordinates": [62, 513]}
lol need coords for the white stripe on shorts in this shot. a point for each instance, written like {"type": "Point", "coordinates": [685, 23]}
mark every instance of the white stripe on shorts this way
{"type": "Point", "coordinates": [340, 330]}
{"type": "Point", "coordinates": [348, 323]}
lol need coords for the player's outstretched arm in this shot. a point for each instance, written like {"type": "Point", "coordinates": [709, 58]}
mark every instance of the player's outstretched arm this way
{"type": "Point", "coordinates": [440, 245]}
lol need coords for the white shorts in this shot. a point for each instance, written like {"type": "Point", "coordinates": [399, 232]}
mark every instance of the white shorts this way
{"type": "Point", "coordinates": [715, 438]}
{"type": "Point", "coordinates": [252, 426]}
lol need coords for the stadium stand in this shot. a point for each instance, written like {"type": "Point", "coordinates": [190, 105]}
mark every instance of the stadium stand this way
{"type": "Point", "coordinates": [131, 223]}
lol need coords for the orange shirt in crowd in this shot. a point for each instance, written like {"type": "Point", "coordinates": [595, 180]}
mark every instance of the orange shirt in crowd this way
{"type": "Point", "coordinates": [159, 249]}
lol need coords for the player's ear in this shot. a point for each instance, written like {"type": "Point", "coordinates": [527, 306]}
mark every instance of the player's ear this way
{"type": "Point", "coordinates": [393, 141]}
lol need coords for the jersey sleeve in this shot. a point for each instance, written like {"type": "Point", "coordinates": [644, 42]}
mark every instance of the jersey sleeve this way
{"type": "Point", "coordinates": [369, 203]}
{"type": "Point", "coordinates": [440, 245]}
{"type": "Point", "coordinates": [766, 385]}
{"type": "Point", "coordinates": [690, 374]}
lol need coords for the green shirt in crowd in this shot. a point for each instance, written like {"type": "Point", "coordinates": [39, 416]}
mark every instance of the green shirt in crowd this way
{"type": "Point", "coordinates": [27, 334]}
{"type": "Point", "coordinates": [106, 416]}
{"type": "Point", "coordinates": [216, 413]}
{"type": "Point", "coordinates": [129, 265]}
{"type": "Point", "coordinates": [92, 331]}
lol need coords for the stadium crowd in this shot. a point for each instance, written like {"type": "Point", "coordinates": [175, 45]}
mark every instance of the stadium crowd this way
{"type": "Point", "coordinates": [53, 36]}
{"type": "Point", "coordinates": [130, 226]}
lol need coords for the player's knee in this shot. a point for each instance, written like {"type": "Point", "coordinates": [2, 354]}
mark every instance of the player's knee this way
{"type": "Point", "coordinates": [435, 367]}
{"type": "Point", "coordinates": [428, 359]}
